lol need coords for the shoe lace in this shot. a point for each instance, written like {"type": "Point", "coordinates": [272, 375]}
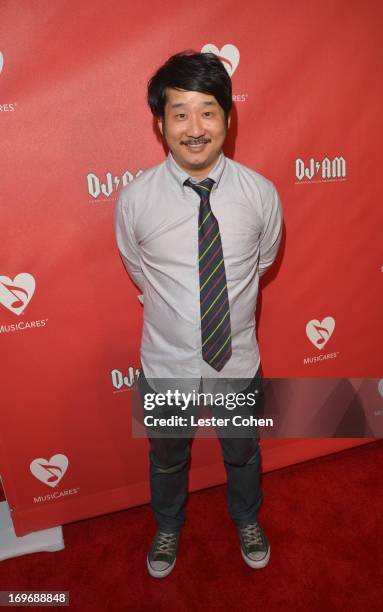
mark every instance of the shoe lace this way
{"type": "Point", "coordinates": [252, 534]}
{"type": "Point", "coordinates": [166, 543]}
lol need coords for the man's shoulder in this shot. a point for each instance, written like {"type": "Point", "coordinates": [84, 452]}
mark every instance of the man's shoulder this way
{"type": "Point", "coordinates": [248, 177]}
{"type": "Point", "coordinates": [141, 184]}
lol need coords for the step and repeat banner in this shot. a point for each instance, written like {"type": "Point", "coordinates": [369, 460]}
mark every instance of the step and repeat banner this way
{"type": "Point", "coordinates": [75, 128]}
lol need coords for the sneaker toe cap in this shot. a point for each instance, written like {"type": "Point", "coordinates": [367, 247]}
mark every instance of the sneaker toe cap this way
{"type": "Point", "coordinates": [159, 566]}
{"type": "Point", "coordinates": [257, 555]}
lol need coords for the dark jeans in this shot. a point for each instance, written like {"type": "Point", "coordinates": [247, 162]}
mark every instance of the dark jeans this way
{"type": "Point", "coordinates": [169, 464]}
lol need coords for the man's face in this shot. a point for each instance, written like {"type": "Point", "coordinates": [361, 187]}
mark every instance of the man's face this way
{"type": "Point", "coordinates": [194, 128]}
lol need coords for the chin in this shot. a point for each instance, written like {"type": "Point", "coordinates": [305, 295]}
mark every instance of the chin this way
{"type": "Point", "coordinates": [198, 162]}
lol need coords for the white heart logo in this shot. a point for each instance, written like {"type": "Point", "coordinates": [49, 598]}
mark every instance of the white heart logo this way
{"type": "Point", "coordinates": [50, 471]}
{"type": "Point", "coordinates": [319, 333]}
{"type": "Point", "coordinates": [1, 61]}
{"type": "Point", "coordinates": [229, 56]}
{"type": "Point", "coordinates": [17, 293]}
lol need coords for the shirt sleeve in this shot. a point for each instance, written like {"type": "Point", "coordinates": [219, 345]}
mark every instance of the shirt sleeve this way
{"type": "Point", "coordinates": [127, 243]}
{"type": "Point", "coordinates": [272, 230]}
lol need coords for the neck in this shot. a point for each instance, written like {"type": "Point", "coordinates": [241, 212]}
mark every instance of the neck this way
{"type": "Point", "coordinates": [198, 173]}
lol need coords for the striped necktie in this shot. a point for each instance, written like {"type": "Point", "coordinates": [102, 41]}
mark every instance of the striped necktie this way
{"type": "Point", "coordinates": [214, 300]}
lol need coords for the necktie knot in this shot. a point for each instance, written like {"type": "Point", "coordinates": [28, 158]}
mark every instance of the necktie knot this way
{"type": "Point", "coordinates": [203, 188]}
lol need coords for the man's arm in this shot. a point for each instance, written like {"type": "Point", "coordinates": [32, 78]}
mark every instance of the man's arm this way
{"type": "Point", "coordinates": [127, 242]}
{"type": "Point", "coordinates": [272, 230]}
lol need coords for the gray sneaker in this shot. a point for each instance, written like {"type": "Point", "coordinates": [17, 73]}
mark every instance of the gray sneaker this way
{"type": "Point", "coordinates": [255, 547]}
{"type": "Point", "coordinates": [161, 557]}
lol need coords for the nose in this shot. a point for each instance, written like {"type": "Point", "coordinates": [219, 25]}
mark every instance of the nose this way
{"type": "Point", "coordinates": [195, 127]}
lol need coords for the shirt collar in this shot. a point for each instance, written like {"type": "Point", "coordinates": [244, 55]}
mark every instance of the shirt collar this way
{"type": "Point", "coordinates": [180, 176]}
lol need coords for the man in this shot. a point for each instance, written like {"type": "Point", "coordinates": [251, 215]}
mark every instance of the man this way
{"type": "Point", "coordinates": [195, 234]}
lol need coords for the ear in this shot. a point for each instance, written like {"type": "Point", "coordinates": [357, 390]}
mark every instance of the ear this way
{"type": "Point", "coordinates": [160, 123]}
{"type": "Point", "coordinates": [228, 120]}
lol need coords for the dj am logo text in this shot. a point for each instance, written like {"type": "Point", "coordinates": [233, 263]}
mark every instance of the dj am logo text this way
{"type": "Point", "coordinates": [324, 170]}
{"type": "Point", "coordinates": [320, 332]}
{"type": "Point", "coordinates": [17, 293]}
{"type": "Point", "coordinates": [109, 185]}
{"type": "Point", "coordinates": [121, 381]}
{"type": "Point", "coordinates": [229, 56]}
{"type": "Point", "coordinates": [50, 471]}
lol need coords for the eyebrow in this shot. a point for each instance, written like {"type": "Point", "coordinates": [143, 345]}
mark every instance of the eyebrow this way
{"type": "Point", "coordinates": [207, 103]}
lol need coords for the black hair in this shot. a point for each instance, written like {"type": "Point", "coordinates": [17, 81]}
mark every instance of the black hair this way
{"type": "Point", "coordinates": [191, 71]}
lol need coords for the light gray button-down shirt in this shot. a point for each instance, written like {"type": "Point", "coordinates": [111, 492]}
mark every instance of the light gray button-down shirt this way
{"type": "Point", "coordinates": [157, 235]}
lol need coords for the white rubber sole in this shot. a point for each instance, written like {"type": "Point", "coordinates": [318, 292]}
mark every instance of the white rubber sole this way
{"type": "Point", "coordinates": [159, 574]}
{"type": "Point", "coordinates": [257, 564]}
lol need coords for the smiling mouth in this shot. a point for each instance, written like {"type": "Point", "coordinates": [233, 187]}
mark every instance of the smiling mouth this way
{"type": "Point", "coordinates": [195, 142]}
{"type": "Point", "coordinates": [195, 145]}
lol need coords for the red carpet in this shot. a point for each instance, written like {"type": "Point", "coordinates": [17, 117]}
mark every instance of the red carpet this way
{"type": "Point", "coordinates": [324, 519]}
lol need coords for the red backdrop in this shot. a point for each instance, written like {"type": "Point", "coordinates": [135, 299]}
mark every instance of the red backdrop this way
{"type": "Point", "coordinates": [75, 127]}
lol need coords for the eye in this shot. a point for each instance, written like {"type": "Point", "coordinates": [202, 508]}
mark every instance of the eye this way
{"type": "Point", "coordinates": [208, 114]}
{"type": "Point", "coordinates": [181, 115]}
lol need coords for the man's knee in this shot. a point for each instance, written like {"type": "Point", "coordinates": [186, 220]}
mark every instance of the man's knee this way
{"type": "Point", "coordinates": [169, 457]}
{"type": "Point", "coordinates": [240, 452]}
